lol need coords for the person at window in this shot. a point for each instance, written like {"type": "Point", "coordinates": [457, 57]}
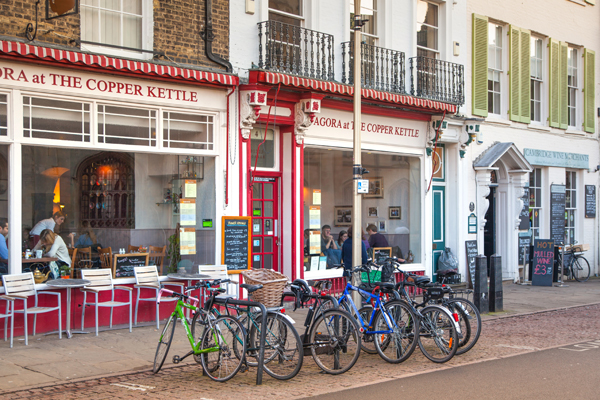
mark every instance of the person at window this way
{"type": "Point", "coordinates": [50, 223]}
{"type": "Point", "coordinates": [3, 235]}
{"type": "Point", "coordinates": [343, 235]}
{"type": "Point", "coordinates": [329, 247]}
{"type": "Point", "coordinates": [54, 246]}
{"type": "Point", "coordinates": [87, 238]}
{"type": "Point", "coordinates": [363, 236]}
{"type": "Point", "coordinates": [347, 254]}
{"type": "Point", "coordinates": [376, 239]}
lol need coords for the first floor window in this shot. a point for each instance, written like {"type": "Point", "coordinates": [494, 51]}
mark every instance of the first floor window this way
{"type": "Point", "coordinates": [536, 78]}
{"type": "Point", "coordinates": [494, 68]}
{"type": "Point", "coordinates": [572, 86]}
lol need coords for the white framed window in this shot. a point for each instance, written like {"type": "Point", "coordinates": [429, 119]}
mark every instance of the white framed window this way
{"type": "Point", "coordinates": [428, 29]}
{"type": "Point", "coordinates": [3, 114]}
{"type": "Point", "coordinates": [495, 68]}
{"type": "Point", "coordinates": [287, 11]}
{"type": "Point", "coordinates": [121, 25]}
{"type": "Point", "coordinates": [49, 118]}
{"type": "Point", "coordinates": [369, 13]}
{"type": "Point", "coordinates": [535, 200]}
{"type": "Point", "coordinates": [572, 86]}
{"type": "Point", "coordinates": [188, 131]}
{"type": "Point", "coordinates": [570, 206]}
{"type": "Point", "coordinates": [126, 126]}
{"type": "Point", "coordinates": [537, 78]}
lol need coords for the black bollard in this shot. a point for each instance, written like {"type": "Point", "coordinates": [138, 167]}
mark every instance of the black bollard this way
{"type": "Point", "coordinates": [480, 288]}
{"type": "Point", "coordinates": [496, 303]}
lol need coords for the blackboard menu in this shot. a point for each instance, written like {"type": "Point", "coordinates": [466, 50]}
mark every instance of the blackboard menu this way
{"type": "Point", "coordinates": [123, 264]}
{"type": "Point", "coordinates": [590, 201]}
{"type": "Point", "coordinates": [543, 262]}
{"type": "Point", "coordinates": [524, 243]}
{"type": "Point", "coordinates": [524, 215]}
{"type": "Point", "coordinates": [235, 243]}
{"type": "Point", "coordinates": [471, 250]}
{"type": "Point", "coordinates": [557, 213]}
{"type": "Point", "coordinates": [380, 254]}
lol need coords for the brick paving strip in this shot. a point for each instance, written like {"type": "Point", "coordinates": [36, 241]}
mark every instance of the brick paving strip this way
{"type": "Point", "coordinates": [501, 337]}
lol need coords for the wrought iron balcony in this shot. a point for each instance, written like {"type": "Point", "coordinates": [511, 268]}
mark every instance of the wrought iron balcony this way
{"type": "Point", "coordinates": [382, 69]}
{"type": "Point", "coordinates": [437, 80]}
{"type": "Point", "coordinates": [295, 50]}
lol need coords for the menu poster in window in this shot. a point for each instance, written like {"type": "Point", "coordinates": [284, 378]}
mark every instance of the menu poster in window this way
{"type": "Point", "coordinates": [471, 252]}
{"type": "Point", "coordinates": [235, 243]}
{"type": "Point", "coordinates": [317, 197]}
{"type": "Point", "coordinates": [314, 242]}
{"type": "Point", "coordinates": [187, 241]}
{"type": "Point", "coordinates": [190, 189]}
{"type": "Point", "coordinates": [524, 214]}
{"type": "Point", "coordinates": [543, 262]}
{"type": "Point", "coordinates": [557, 213]}
{"type": "Point", "coordinates": [590, 201]}
{"type": "Point", "coordinates": [314, 214]}
{"type": "Point", "coordinates": [187, 212]}
{"type": "Point", "coordinates": [123, 264]}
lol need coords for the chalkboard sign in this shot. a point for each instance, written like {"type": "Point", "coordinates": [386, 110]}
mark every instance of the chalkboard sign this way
{"type": "Point", "coordinates": [380, 254]}
{"type": "Point", "coordinates": [236, 237]}
{"type": "Point", "coordinates": [471, 247]}
{"type": "Point", "coordinates": [590, 201]}
{"type": "Point", "coordinates": [123, 264]}
{"type": "Point", "coordinates": [543, 262]}
{"type": "Point", "coordinates": [524, 215]}
{"type": "Point", "coordinates": [557, 213]}
{"type": "Point", "coordinates": [524, 243]}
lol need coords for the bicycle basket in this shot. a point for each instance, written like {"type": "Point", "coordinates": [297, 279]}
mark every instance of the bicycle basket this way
{"type": "Point", "coordinates": [273, 284]}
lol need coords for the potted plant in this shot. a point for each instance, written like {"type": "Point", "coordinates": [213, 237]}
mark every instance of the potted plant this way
{"type": "Point", "coordinates": [65, 272]}
{"type": "Point", "coordinates": [173, 252]}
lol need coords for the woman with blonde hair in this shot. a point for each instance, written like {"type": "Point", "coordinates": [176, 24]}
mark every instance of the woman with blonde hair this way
{"type": "Point", "coordinates": [54, 246]}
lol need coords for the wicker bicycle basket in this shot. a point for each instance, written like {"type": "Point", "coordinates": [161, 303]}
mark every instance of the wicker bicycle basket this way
{"type": "Point", "coordinates": [273, 284]}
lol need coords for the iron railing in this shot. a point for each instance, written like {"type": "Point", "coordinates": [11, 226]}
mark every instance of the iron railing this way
{"type": "Point", "coordinates": [437, 80]}
{"type": "Point", "coordinates": [382, 69]}
{"type": "Point", "coordinates": [295, 50]}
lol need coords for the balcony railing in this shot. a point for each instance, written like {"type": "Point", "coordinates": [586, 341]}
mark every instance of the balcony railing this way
{"type": "Point", "coordinates": [295, 50]}
{"type": "Point", "coordinates": [382, 69]}
{"type": "Point", "coordinates": [437, 80]}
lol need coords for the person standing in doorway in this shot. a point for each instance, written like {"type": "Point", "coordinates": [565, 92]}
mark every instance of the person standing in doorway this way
{"type": "Point", "coordinates": [376, 239]}
{"type": "Point", "coordinates": [49, 223]}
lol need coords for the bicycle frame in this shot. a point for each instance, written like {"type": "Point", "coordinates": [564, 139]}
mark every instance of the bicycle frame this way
{"type": "Point", "coordinates": [378, 305]}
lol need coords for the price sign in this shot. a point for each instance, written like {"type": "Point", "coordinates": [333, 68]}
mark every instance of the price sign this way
{"type": "Point", "coordinates": [543, 262]}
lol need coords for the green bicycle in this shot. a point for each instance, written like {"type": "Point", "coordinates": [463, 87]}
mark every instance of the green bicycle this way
{"type": "Point", "coordinates": [218, 343]}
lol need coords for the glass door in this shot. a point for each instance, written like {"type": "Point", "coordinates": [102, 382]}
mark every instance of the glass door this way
{"type": "Point", "coordinates": [265, 223]}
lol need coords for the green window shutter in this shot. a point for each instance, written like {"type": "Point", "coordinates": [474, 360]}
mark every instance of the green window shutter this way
{"type": "Point", "coordinates": [480, 66]}
{"type": "Point", "coordinates": [563, 90]}
{"type": "Point", "coordinates": [514, 74]}
{"type": "Point", "coordinates": [525, 77]}
{"type": "Point", "coordinates": [589, 91]}
{"type": "Point", "coordinates": [553, 83]}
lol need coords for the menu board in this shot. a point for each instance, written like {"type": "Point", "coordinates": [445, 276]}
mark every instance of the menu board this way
{"type": "Point", "coordinates": [557, 213]}
{"type": "Point", "coordinates": [123, 264]}
{"type": "Point", "coordinates": [590, 201]}
{"type": "Point", "coordinates": [236, 237]}
{"type": "Point", "coordinates": [524, 243]}
{"type": "Point", "coordinates": [524, 214]}
{"type": "Point", "coordinates": [380, 254]}
{"type": "Point", "coordinates": [543, 262]}
{"type": "Point", "coordinates": [471, 251]}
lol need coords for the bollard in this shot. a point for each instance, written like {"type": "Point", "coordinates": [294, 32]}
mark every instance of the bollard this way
{"type": "Point", "coordinates": [496, 303]}
{"type": "Point", "coordinates": [480, 289]}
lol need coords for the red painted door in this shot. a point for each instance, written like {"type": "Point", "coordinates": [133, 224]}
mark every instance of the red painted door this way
{"type": "Point", "coordinates": [265, 223]}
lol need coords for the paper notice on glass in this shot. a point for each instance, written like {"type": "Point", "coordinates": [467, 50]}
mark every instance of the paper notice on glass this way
{"type": "Point", "coordinates": [314, 263]}
{"type": "Point", "coordinates": [187, 241]}
{"type": "Point", "coordinates": [187, 212]}
{"type": "Point", "coordinates": [322, 263]}
{"type": "Point", "coordinates": [190, 189]}
{"type": "Point", "coordinates": [314, 242]}
{"type": "Point", "coordinates": [314, 216]}
{"type": "Point", "coordinates": [317, 197]}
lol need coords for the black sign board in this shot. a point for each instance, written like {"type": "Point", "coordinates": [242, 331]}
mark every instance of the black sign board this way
{"type": "Point", "coordinates": [543, 262]}
{"type": "Point", "coordinates": [123, 264]}
{"type": "Point", "coordinates": [524, 215]}
{"type": "Point", "coordinates": [471, 247]}
{"type": "Point", "coordinates": [235, 243]}
{"type": "Point", "coordinates": [557, 213]}
{"type": "Point", "coordinates": [380, 254]}
{"type": "Point", "coordinates": [524, 243]}
{"type": "Point", "coordinates": [590, 201]}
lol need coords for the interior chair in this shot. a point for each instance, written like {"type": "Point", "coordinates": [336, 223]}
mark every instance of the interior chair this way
{"type": "Point", "coordinates": [106, 257]}
{"type": "Point", "coordinates": [73, 255]}
{"type": "Point", "coordinates": [101, 281]}
{"type": "Point", "coordinates": [132, 249]}
{"type": "Point", "coordinates": [8, 313]}
{"type": "Point", "coordinates": [157, 256]}
{"type": "Point", "coordinates": [22, 287]}
{"type": "Point", "coordinates": [84, 259]}
{"type": "Point", "coordinates": [147, 278]}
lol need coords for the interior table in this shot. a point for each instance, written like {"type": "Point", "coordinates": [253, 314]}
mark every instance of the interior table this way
{"type": "Point", "coordinates": [68, 284]}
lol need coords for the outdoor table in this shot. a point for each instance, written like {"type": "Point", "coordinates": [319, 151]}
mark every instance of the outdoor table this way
{"type": "Point", "coordinates": [188, 277]}
{"type": "Point", "coordinates": [68, 284]}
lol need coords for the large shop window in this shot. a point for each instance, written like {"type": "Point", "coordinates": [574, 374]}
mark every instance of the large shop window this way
{"type": "Point", "coordinates": [4, 210]}
{"type": "Point", "coordinates": [393, 204]}
{"type": "Point", "coordinates": [121, 200]}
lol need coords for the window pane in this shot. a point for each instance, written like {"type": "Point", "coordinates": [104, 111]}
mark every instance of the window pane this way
{"type": "Point", "coordinates": [265, 146]}
{"type": "Point", "coordinates": [287, 6]}
{"type": "Point", "coordinates": [427, 13]}
{"type": "Point", "coordinates": [56, 119]}
{"type": "Point", "coordinates": [3, 115]}
{"type": "Point", "coordinates": [121, 125]}
{"type": "Point", "coordinates": [191, 131]}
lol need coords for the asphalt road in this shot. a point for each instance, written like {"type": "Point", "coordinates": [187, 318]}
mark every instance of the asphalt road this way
{"type": "Point", "coordinates": [566, 372]}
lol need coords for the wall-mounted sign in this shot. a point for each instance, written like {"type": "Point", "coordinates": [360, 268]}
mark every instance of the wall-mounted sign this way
{"type": "Point", "coordinates": [590, 201]}
{"type": "Point", "coordinates": [472, 223]}
{"type": "Point", "coordinates": [363, 186]}
{"type": "Point", "coordinates": [557, 158]}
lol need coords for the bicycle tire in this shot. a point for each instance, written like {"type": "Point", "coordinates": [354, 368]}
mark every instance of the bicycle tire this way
{"type": "Point", "coordinates": [437, 339]}
{"type": "Point", "coordinates": [469, 319]}
{"type": "Point", "coordinates": [580, 268]}
{"type": "Point", "coordinates": [397, 346]}
{"type": "Point", "coordinates": [221, 365]}
{"type": "Point", "coordinates": [335, 341]}
{"type": "Point", "coordinates": [164, 343]}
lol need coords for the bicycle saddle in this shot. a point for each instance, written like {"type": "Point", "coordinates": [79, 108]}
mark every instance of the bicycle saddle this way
{"type": "Point", "coordinates": [251, 288]}
{"type": "Point", "coordinates": [419, 279]}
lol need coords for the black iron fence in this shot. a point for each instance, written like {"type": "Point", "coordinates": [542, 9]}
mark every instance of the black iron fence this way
{"type": "Point", "coordinates": [382, 69]}
{"type": "Point", "coordinates": [437, 80]}
{"type": "Point", "coordinates": [295, 50]}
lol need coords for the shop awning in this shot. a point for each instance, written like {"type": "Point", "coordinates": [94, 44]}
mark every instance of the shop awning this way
{"type": "Point", "coordinates": [112, 64]}
{"type": "Point", "coordinates": [348, 90]}
{"type": "Point", "coordinates": [508, 152]}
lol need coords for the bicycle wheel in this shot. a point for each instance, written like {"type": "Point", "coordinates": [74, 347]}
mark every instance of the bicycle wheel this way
{"type": "Point", "coordinates": [367, 341]}
{"type": "Point", "coordinates": [470, 323]}
{"type": "Point", "coordinates": [164, 343]}
{"type": "Point", "coordinates": [438, 339]}
{"type": "Point", "coordinates": [399, 342]}
{"type": "Point", "coordinates": [581, 269]}
{"type": "Point", "coordinates": [335, 341]}
{"type": "Point", "coordinates": [283, 348]}
{"type": "Point", "coordinates": [220, 362]}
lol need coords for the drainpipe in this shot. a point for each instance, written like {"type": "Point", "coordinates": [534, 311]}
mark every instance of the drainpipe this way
{"type": "Point", "coordinates": [208, 36]}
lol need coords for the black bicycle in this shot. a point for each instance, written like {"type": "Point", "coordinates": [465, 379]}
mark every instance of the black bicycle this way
{"type": "Point", "coordinates": [575, 264]}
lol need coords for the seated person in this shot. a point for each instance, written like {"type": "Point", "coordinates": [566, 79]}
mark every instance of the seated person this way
{"type": "Point", "coordinates": [50, 223]}
{"type": "Point", "coordinates": [347, 254]}
{"type": "Point", "coordinates": [87, 238]}
{"type": "Point", "coordinates": [54, 246]}
{"type": "Point", "coordinates": [376, 239]}
{"type": "Point", "coordinates": [329, 247]}
{"type": "Point", "coordinates": [343, 235]}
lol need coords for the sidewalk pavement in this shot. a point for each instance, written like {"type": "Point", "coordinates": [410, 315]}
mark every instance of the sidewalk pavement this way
{"type": "Point", "coordinates": [48, 360]}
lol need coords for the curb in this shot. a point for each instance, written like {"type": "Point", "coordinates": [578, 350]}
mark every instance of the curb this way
{"type": "Point", "coordinates": [493, 318]}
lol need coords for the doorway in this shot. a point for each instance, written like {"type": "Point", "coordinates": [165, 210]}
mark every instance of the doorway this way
{"type": "Point", "coordinates": [489, 231]}
{"type": "Point", "coordinates": [439, 227]}
{"type": "Point", "coordinates": [265, 223]}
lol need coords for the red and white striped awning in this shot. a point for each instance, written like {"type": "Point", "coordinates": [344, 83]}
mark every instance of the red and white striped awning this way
{"type": "Point", "coordinates": [348, 90]}
{"type": "Point", "coordinates": [112, 64]}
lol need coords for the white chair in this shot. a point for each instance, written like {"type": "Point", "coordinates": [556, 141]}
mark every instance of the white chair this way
{"type": "Point", "coordinates": [147, 278]}
{"type": "Point", "coordinates": [218, 272]}
{"type": "Point", "coordinates": [101, 281]}
{"type": "Point", "coordinates": [21, 287]}
{"type": "Point", "coordinates": [8, 314]}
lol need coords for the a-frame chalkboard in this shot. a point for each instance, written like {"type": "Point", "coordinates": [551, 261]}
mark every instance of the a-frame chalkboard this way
{"type": "Point", "coordinates": [236, 236]}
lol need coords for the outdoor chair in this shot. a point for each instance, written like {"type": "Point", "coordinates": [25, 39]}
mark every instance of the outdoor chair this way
{"type": "Point", "coordinates": [147, 278]}
{"type": "Point", "coordinates": [101, 281]}
{"type": "Point", "coordinates": [157, 256]}
{"type": "Point", "coordinates": [218, 272]}
{"type": "Point", "coordinates": [22, 287]}
{"type": "Point", "coordinates": [8, 314]}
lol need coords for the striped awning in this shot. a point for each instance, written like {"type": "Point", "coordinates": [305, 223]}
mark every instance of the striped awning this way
{"type": "Point", "coordinates": [348, 90]}
{"type": "Point", "coordinates": [112, 64]}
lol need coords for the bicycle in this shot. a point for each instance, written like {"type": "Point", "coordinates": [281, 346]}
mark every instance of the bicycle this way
{"type": "Point", "coordinates": [576, 266]}
{"type": "Point", "coordinates": [218, 344]}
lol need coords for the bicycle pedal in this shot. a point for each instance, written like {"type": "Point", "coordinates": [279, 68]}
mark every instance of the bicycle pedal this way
{"type": "Point", "coordinates": [176, 359]}
{"type": "Point", "coordinates": [244, 368]}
